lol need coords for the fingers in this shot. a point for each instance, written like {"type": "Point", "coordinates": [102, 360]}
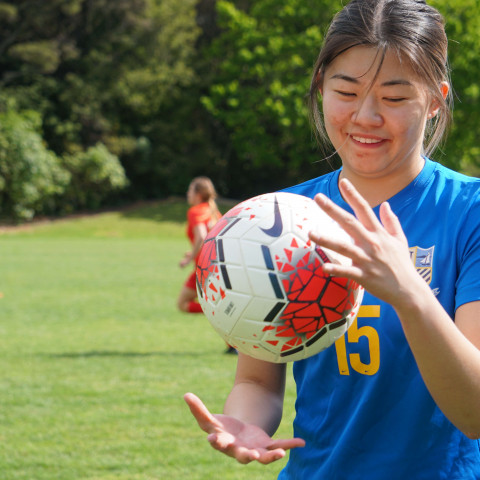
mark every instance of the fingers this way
{"type": "Point", "coordinates": [287, 444]}
{"type": "Point", "coordinates": [276, 451]}
{"type": "Point", "coordinates": [344, 247]}
{"type": "Point", "coordinates": [390, 221]}
{"type": "Point", "coordinates": [278, 448]}
{"type": "Point", "coordinates": [360, 206]}
{"type": "Point", "coordinates": [206, 421]}
{"type": "Point", "coordinates": [269, 456]}
{"type": "Point", "coordinates": [225, 443]}
{"type": "Point", "coordinates": [365, 214]}
{"type": "Point", "coordinates": [225, 435]}
{"type": "Point", "coordinates": [359, 226]}
{"type": "Point", "coordinates": [349, 223]}
{"type": "Point", "coordinates": [362, 227]}
{"type": "Point", "coordinates": [218, 438]}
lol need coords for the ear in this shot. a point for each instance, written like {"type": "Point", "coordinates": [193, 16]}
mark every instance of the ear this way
{"type": "Point", "coordinates": [435, 106]}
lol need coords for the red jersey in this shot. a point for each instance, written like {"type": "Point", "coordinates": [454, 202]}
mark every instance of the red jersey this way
{"type": "Point", "coordinates": [198, 214]}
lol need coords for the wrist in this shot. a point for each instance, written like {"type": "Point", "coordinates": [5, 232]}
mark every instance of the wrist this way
{"type": "Point", "coordinates": [416, 303]}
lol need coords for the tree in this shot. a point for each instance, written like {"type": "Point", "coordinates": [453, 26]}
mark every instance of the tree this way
{"type": "Point", "coordinates": [262, 64]}
{"type": "Point", "coordinates": [462, 151]}
{"type": "Point", "coordinates": [178, 89]}
{"type": "Point", "coordinates": [100, 71]}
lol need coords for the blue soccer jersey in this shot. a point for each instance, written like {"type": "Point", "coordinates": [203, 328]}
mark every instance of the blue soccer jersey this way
{"type": "Point", "coordinates": [362, 406]}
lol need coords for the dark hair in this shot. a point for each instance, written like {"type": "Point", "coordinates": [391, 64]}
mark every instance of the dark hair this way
{"type": "Point", "coordinates": [411, 29]}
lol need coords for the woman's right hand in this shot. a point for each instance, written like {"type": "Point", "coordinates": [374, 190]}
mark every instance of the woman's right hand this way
{"type": "Point", "coordinates": [244, 442]}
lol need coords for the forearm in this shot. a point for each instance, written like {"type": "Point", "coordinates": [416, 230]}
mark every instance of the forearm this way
{"type": "Point", "coordinates": [258, 393]}
{"type": "Point", "coordinates": [196, 247]}
{"type": "Point", "coordinates": [199, 234]}
{"type": "Point", "coordinates": [448, 361]}
{"type": "Point", "coordinates": [255, 405]}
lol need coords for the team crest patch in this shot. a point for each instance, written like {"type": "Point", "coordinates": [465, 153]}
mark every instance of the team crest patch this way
{"type": "Point", "coordinates": [422, 258]}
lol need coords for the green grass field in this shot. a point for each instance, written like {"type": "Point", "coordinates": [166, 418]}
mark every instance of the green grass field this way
{"type": "Point", "coordinates": [95, 358]}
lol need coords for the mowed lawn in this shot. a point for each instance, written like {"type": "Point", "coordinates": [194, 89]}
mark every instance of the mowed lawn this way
{"type": "Point", "coordinates": [95, 358]}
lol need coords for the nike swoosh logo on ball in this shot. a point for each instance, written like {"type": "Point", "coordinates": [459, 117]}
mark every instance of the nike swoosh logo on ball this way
{"type": "Point", "coordinates": [277, 228]}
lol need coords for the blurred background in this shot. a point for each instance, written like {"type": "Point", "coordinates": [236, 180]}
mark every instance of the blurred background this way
{"type": "Point", "coordinates": [104, 103]}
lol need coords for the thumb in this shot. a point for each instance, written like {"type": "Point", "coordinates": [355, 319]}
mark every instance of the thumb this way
{"type": "Point", "coordinates": [206, 421]}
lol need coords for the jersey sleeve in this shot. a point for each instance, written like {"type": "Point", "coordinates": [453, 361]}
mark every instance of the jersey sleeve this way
{"type": "Point", "coordinates": [199, 214]}
{"type": "Point", "coordinates": [468, 280]}
{"type": "Point", "coordinates": [192, 217]}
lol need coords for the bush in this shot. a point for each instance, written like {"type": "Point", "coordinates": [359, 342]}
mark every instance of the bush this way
{"type": "Point", "coordinates": [31, 177]}
{"type": "Point", "coordinates": [95, 174]}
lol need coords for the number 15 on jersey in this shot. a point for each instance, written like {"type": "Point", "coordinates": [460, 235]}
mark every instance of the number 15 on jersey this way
{"type": "Point", "coordinates": [353, 336]}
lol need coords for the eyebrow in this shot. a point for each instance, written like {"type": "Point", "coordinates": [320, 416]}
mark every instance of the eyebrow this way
{"type": "Point", "coordinates": [390, 83]}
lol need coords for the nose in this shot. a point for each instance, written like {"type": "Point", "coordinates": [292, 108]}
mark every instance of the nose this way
{"type": "Point", "coordinates": [368, 112]}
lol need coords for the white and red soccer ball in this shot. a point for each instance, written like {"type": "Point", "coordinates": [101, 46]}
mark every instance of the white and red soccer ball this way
{"type": "Point", "coordinates": [261, 284]}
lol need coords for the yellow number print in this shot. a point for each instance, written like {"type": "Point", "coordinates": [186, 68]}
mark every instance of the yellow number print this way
{"type": "Point", "coordinates": [353, 335]}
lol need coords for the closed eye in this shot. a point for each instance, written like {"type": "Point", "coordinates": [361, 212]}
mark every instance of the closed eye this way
{"type": "Point", "coordinates": [345, 94]}
{"type": "Point", "coordinates": [395, 100]}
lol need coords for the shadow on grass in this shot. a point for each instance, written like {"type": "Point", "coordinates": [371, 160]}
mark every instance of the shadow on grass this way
{"type": "Point", "coordinates": [114, 353]}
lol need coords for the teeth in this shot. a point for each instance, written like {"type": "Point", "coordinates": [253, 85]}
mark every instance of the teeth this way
{"type": "Point", "coordinates": [366, 140]}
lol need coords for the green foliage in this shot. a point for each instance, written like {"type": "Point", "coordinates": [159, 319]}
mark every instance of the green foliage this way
{"type": "Point", "coordinates": [95, 174]}
{"type": "Point", "coordinates": [43, 55]}
{"type": "Point", "coordinates": [162, 64]}
{"type": "Point", "coordinates": [462, 151]}
{"type": "Point", "coordinates": [31, 176]}
{"type": "Point", "coordinates": [33, 180]}
{"type": "Point", "coordinates": [263, 61]}
{"type": "Point", "coordinates": [102, 72]}
{"type": "Point", "coordinates": [8, 13]}
{"type": "Point", "coordinates": [262, 65]}
{"type": "Point", "coordinates": [176, 89]}
{"type": "Point", "coordinates": [157, 101]}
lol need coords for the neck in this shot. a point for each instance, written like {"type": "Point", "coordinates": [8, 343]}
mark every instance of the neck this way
{"type": "Point", "coordinates": [378, 189]}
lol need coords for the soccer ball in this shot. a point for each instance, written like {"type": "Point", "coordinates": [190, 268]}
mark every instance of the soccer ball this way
{"type": "Point", "coordinates": [261, 284]}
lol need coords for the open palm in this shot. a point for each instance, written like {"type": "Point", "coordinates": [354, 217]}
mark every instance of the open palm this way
{"type": "Point", "coordinates": [244, 442]}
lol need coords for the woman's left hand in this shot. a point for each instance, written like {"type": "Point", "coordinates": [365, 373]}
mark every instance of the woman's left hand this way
{"type": "Point", "coordinates": [380, 257]}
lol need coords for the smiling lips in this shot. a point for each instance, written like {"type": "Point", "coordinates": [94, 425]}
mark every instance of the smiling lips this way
{"type": "Point", "coordinates": [368, 141]}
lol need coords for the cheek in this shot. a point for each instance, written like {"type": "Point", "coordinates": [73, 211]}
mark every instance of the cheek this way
{"type": "Point", "coordinates": [411, 125]}
{"type": "Point", "coordinates": [336, 119]}
{"type": "Point", "coordinates": [336, 114]}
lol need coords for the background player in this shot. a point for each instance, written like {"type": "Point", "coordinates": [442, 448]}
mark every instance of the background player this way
{"type": "Point", "coordinates": [201, 217]}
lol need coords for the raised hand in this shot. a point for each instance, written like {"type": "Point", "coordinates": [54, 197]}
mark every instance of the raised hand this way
{"type": "Point", "coordinates": [187, 258]}
{"type": "Point", "coordinates": [244, 442]}
{"type": "Point", "coordinates": [379, 252]}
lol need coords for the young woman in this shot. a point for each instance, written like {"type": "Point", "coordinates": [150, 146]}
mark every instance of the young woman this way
{"type": "Point", "coordinates": [201, 217]}
{"type": "Point", "coordinates": [398, 396]}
